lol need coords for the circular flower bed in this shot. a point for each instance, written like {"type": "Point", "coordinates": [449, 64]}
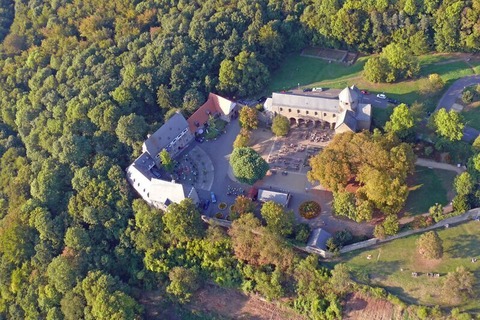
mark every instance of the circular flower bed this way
{"type": "Point", "coordinates": [219, 215]}
{"type": "Point", "coordinates": [222, 205]}
{"type": "Point", "coordinates": [310, 209]}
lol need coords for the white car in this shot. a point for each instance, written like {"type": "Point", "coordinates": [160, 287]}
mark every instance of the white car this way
{"type": "Point", "coordinates": [381, 96]}
{"type": "Point", "coordinates": [317, 89]}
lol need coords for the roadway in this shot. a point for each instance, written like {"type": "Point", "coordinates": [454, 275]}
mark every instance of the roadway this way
{"type": "Point", "coordinates": [449, 97]}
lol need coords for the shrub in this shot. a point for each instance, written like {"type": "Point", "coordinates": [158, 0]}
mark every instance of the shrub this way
{"type": "Point", "coordinates": [310, 209]}
{"type": "Point", "coordinates": [428, 151]}
{"type": "Point", "coordinates": [467, 96]}
{"type": "Point", "coordinates": [222, 206]}
{"type": "Point", "coordinates": [302, 232]}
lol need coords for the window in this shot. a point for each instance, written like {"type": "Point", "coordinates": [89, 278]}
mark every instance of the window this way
{"type": "Point", "coordinates": [281, 109]}
{"type": "Point", "coordinates": [298, 111]}
{"type": "Point", "coordinates": [316, 113]}
{"type": "Point", "coordinates": [306, 112]}
{"type": "Point", "coordinates": [334, 116]}
{"type": "Point", "coordinates": [289, 110]}
{"type": "Point", "coordinates": [138, 184]}
{"type": "Point", "coordinates": [324, 114]}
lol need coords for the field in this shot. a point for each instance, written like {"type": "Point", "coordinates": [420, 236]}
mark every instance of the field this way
{"type": "Point", "coordinates": [431, 187]}
{"type": "Point", "coordinates": [388, 260]}
{"type": "Point", "coordinates": [304, 71]}
{"type": "Point", "coordinates": [472, 116]}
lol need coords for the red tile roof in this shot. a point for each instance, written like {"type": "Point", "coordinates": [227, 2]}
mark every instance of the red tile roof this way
{"type": "Point", "coordinates": [210, 107]}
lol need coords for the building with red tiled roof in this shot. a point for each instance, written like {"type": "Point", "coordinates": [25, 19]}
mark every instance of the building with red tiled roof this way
{"type": "Point", "coordinates": [215, 106]}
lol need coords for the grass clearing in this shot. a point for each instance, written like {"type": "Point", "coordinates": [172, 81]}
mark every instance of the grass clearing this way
{"type": "Point", "coordinates": [387, 261]}
{"type": "Point", "coordinates": [381, 116]}
{"type": "Point", "coordinates": [434, 184]}
{"type": "Point", "coordinates": [309, 72]}
{"type": "Point", "coordinates": [472, 116]}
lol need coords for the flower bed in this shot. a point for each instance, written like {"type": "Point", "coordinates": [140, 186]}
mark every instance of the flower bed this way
{"type": "Point", "coordinates": [222, 206]}
{"type": "Point", "coordinates": [310, 209]}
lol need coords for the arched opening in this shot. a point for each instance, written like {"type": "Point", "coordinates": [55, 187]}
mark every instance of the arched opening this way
{"type": "Point", "coordinates": [293, 121]}
{"type": "Point", "coordinates": [318, 123]}
{"type": "Point", "coordinates": [301, 122]}
{"type": "Point", "coordinates": [310, 124]}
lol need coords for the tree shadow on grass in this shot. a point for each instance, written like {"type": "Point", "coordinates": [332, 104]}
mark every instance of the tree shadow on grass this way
{"type": "Point", "coordinates": [400, 292]}
{"type": "Point", "coordinates": [466, 246]}
{"type": "Point", "coordinates": [377, 270]}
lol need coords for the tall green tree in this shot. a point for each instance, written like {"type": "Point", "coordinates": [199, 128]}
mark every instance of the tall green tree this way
{"type": "Point", "coordinates": [279, 221]}
{"type": "Point", "coordinates": [248, 118]}
{"type": "Point", "coordinates": [430, 245]}
{"type": "Point", "coordinates": [182, 221]}
{"type": "Point", "coordinates": [166, 160]}
{"type": "Point", "coordinates": [248, 166]}
{"type": "Point", "coordinates": [448, 124]}
{"type": "Point", "coordinates": [401, 121]}
{"type": "Point", "coordinates": [280, 126]}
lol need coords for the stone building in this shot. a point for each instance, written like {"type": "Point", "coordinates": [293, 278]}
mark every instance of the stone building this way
{"type": "Point", "coordinates": [345, 113]}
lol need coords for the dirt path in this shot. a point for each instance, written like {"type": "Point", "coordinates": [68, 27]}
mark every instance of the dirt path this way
{"type": "Point", "coordinates": [438, 165]}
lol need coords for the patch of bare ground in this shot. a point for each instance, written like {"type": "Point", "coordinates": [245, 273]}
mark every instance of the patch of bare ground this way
{"type": "Point", "coordinates": [360, 307]}
{"type": "Point", "coordinates": [217, 303]}
{"type": "Point", "coordinates": [424, 264]}
{"type": "Point", "coordinates": [233, 304]}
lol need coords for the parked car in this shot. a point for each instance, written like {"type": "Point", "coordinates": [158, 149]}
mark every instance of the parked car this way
{"type": "Point", "coordinates": [307, 90]}
{"type": "Point", "coordinates": [317, 89]}
{"type": "Point", "coordinates": [206, 204]}
{"type": "Point", "coordinates": [365, 92]}
{"type": "Point", "coordinates": [390, 100]}
{"type": "Point", "coordinates": [285, 173]}
{"type": "Point", "coordinates": [381, 96]}
{"type": "Point", "coordinates": [214, 199]}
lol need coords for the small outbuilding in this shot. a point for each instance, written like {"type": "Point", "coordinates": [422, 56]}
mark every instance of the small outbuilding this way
{"type": "Point", "coordinates": [318, 241]}
{"type": "Point", "coordinates": [278, 197]}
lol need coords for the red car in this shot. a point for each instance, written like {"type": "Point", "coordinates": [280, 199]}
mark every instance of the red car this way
{"type": "Point", "coordinates": [364, 92]}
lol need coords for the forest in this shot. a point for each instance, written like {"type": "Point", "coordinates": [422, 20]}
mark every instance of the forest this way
{"type": "Point", "coordinates": [81, 84]}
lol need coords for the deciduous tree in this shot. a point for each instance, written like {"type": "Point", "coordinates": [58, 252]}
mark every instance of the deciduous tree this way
{"type": "Point", "coordinates": [248, 118]}
{"type": "Point", "coordinates": [182, 221]}
{"type": "Point", "coordinates": [279, 221]}
{"type": "Point", "coordinates": [448, 124]}
{"type": "Point", "coordinates": [248, 166]}
{"type": "Point", "coordinates": [183, 283]}
{"type": "Point", "coordinates": [401, 121]}
{"type": "Point", "coordinates": [459, 285]}
{"type": "Point", "coordinates": [280, 125]}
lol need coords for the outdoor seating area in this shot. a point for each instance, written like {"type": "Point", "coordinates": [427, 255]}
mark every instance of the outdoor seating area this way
{"type": "Point", "coordinates": [193, 168]}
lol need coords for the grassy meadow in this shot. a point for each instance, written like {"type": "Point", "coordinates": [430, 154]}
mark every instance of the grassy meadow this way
{"type": "Point", "coordinates": [429, 186]}
{"type": "Point", "coordinates": [388, 260]}
{"type": "Point", "coordinates": [310, 72]}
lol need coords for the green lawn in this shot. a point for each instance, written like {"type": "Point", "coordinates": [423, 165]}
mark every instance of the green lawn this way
{"type": "Point", "coordinates": [309, 72]}
{"type": "Point", "coordinates": [384, 268]}
{"type": "Point", "coordinates": [381, 116]}
{"type": "Point", "coordinates": [472, 117]}
{"type": "Point", "coordinates": [431, 187]}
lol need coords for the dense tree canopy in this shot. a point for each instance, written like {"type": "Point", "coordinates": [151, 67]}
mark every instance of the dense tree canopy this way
{"type": "Point", "coordinates": [83, 82]}
{"type": "Point", "coordinates": [380, 168]}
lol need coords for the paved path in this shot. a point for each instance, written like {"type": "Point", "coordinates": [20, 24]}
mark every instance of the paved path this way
{"type": "Point", "coordinates": [449, 97]}
{"type": "Point", "coordinates": [438, 165]}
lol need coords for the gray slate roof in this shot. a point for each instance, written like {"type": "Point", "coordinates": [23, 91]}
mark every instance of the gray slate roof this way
{"type": "Point", "coordinates": [347, 117]}
{"type": "Point", "coordinates": [318, 239]}
{"type": "Point", "coordinates": [349, 95]}
{"type": "Point", "coordinates": [165, 134]}
{"type": "Point", "coordinates": [296, 101]}
{"type": "Point", "coordinates": [278, 197]}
